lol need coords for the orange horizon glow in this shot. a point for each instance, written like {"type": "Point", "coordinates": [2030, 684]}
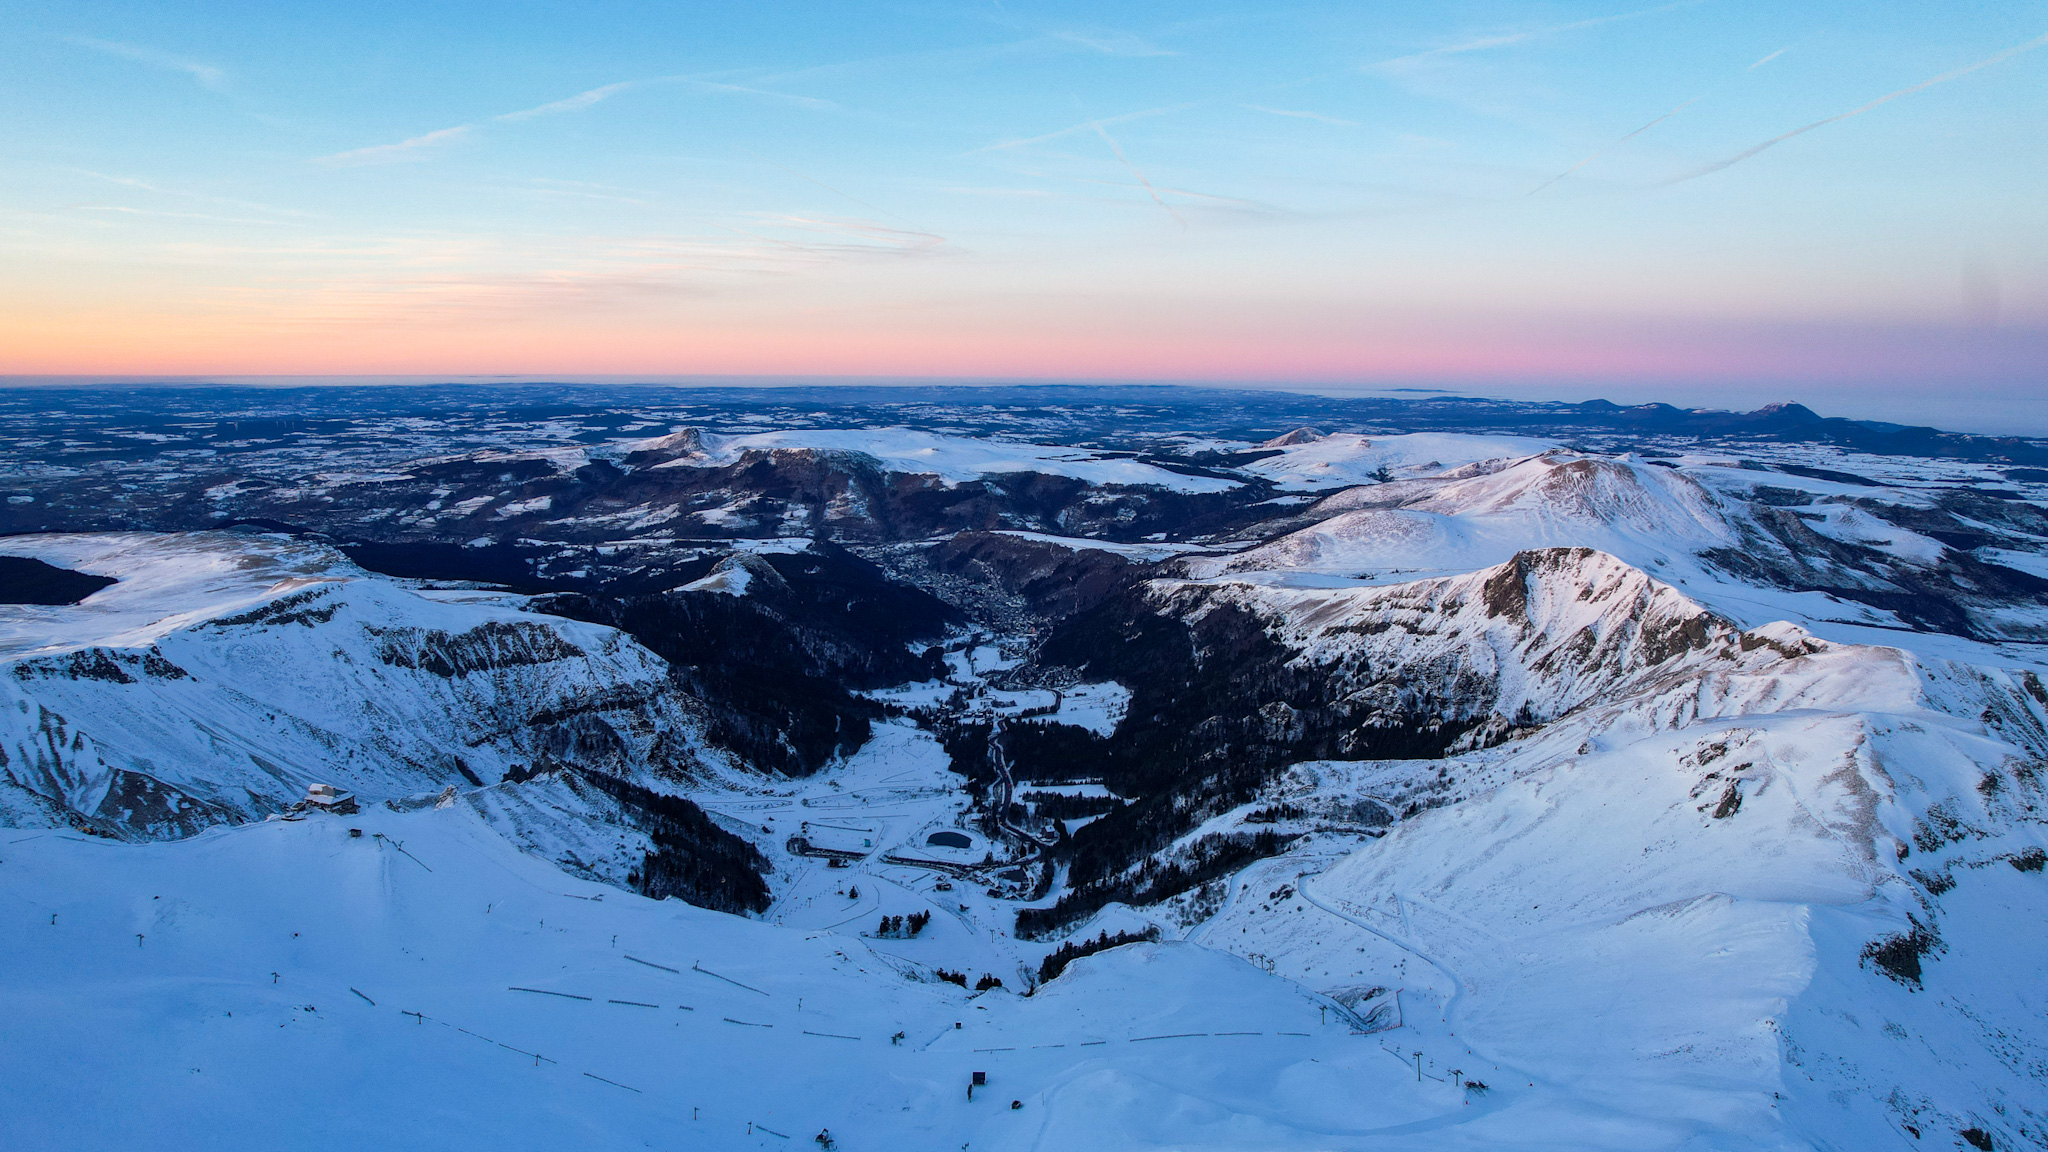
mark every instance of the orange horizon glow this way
{"type": "Point", "coordinates": [1165, 348]}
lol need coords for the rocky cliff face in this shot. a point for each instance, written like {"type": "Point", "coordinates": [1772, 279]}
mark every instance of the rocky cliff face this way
{"type": "Point", "coordinates": [1232, 681]}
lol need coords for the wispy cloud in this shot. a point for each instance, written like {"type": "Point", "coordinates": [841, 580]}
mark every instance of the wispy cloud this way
{"type": "Point", "coordinates": [206, 217]}
{"type": "Point", "coordinates": [1109, 42]}
{"type": "Point", "coordinates": [584, 190]}
{"type": "Point", "coordinates": [186, 194]}
{"type": "Point", "coordinates": [1018, 193]}
{"type": "Point", "coordinates": [836, 191]}
{"type": "Point", "coordinates": [1504, 39]}
{"type": "Point", "coordinates": [1965, 70]}
{"type": "Point", "coordinates": [207, 76]}
{"type": "Point", "coordinates": [420, 147]}
{"type": "Point", "coordinates": [1768, 59]}
{"type": "Point", "coordinates": [416, 148]}
{"type": "Point", "coordinates": [1236, 205]}
{"type": "Point", "coordinates": [810, 102]}
{"type": "Point", "coordinates": [574, 103]}
{"type": "Point", "coordinates": [868, 235]}
{"type": "Point", "coordinates": [1302, 115]}
{"type": "Point", "coordinates": [1075, 129]}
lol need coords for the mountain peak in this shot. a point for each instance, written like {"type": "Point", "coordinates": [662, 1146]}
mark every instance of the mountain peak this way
{"type": "Point", "coordinates": [1787, 412]}
{"type": "Point", "coordinates": [1301, 435]}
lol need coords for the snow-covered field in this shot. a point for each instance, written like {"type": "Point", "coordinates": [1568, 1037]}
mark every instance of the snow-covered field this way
{"type": "Point", "coordinates": [1718, 864]}
{"type": "Point", "coordinates": [1344, 459]}
{"type": "Point", "coordinates": [954, 458]}
{"type": "Point", "coordinates": [150, 1002]}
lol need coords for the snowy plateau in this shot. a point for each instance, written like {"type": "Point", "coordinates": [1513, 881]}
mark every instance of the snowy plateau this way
{"type": "Point", "coordinates": [579, 767]}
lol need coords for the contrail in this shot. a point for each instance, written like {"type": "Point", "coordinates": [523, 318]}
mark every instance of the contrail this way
{"type": "Point", "coordinates": [1149, 190]}
{"type": "Point", "coordinates": [1887, 98]}
{"type": "Point", "coordinates": [1613, 146]}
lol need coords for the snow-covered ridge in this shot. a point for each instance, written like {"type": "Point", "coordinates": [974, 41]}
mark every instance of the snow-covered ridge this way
{"type": "Point", "coordinates": [165, 583]}
{"type": "Point", "coordinates": [953, 459]}
{"type": "Point", "coordinates": [1309, 462]}
{"type": "Point", "coordinates": [1528, 640]}
{"type": "Point", "coordinates": [1834, 567]}
{"type": "Point", "coordinates": [1741, 883]}
{"type": "Point", "coordinates": [225, 673]}
{"type": "Point", "coordinates": [1462, 523]}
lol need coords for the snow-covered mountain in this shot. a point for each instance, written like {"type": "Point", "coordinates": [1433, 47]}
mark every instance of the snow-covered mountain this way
{"type": "Point", "coordinates": [1827, 556]}
{"type": "Point", "coordinates": [1738, 886]}
{"type": "Point", "coordinates": [1791, 914]}
{"type": "Point", "coordinates": [224, 674]}
{"type": "Point", "coordinates": [1458, 791]}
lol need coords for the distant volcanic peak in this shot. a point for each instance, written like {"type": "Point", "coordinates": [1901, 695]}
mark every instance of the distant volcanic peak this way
{"type": "Point", "coordinates": [1788, 412]}
{"type": "Point", "coordinates": [1301, 435]}
{"type": "Point", "coordinates": [680, 440]}
{"type": "Point", "coordinates": [681, 444]}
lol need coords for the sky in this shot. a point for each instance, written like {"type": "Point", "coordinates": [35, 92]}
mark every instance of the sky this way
{"type": "Point", "coordinates": [1831, 201]}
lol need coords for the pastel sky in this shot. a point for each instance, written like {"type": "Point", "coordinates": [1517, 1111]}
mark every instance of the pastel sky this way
{"type": "Point", "coordinates": [1827, 193]}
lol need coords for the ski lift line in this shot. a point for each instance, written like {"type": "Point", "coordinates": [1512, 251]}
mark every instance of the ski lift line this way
{"type": "Point", "coordinates": [613, 1083]}
{"type": "Point", "coordinates": [634, 1003]}
{"type": "Point", "coordinates": [401, 850]}
{"type": "Point", "coordinates": [1237, 1033]}
{"type": "Point", "coordinates": [545, 992]}
{"type": "Point", "coordinates": [1457, 985]}
{"type": "Point", "coordinates": [423, 1018]}
{"type": "Point", "coordinates": [831, 1035]}
{"type": "Point", "coordinates": [652, 964]}
{"type": "Point", "coordinates": [1010, 1049]}
{"type": "Point", "coordinates": [366, 999]}
{"type": "Point", "coordinates": [764, 1128]}
{"type": "Point", "coordinates": [747, 1023]}
{"type": "Point", "coordinates": [729, 980]}
{"type": "Point", "coordinates": [1290, 1033]}
{"type": "Point", "coordinates": [1173, 1036]}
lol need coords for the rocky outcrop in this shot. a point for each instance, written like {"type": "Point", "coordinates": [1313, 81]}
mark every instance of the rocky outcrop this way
{"type": "Point", "coordinates": [1231, 682]}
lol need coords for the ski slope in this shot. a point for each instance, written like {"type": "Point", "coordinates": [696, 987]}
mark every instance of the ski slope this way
{"type": "Point", "coordinates": [152, 1003]}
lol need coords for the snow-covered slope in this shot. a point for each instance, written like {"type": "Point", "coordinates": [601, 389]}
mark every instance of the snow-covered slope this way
{"type": "Point", "coordinates": [1833, 567]}
{"type": "Point", "coordinates": [1686, 921]}
{"type": "Point", "coordinates": [288, 985]}
{"type": "Point", "coordinates": [1309, 462]}
{"type": "Point", "coordinates": [1750, 888]}
{"type": "Point", "coordinates": [1517, 644]}
{"type": "Point", "coordinates": [226, 672]}
{"type": "Point", "coordinates": [952, 459]}
{"type": "Point", "coordinates": [1463, 522]}
{"type": "Point", "coordinates": [1675, 858]}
